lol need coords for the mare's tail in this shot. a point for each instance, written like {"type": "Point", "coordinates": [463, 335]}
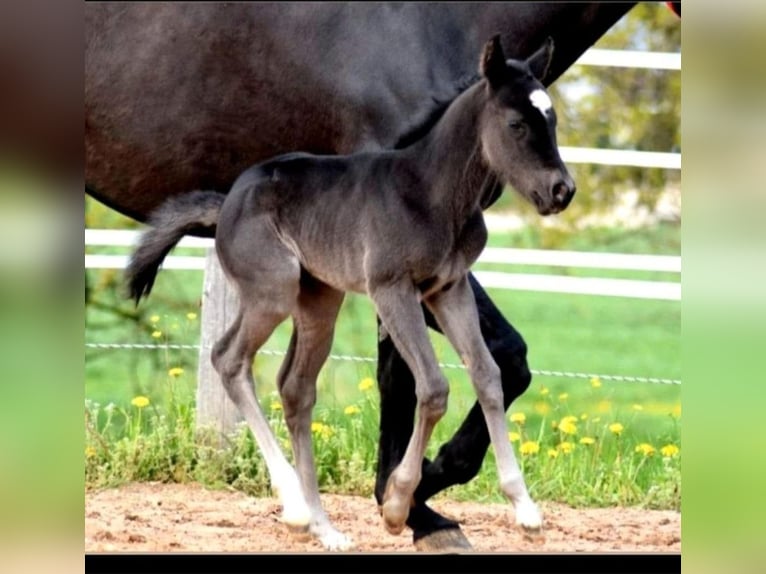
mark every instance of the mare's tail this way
{"type": "Point", "coordinates": [193, 213]}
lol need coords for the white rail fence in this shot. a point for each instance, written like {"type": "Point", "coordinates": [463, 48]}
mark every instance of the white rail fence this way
{"type": "Point", "coordinates": [634, 288]}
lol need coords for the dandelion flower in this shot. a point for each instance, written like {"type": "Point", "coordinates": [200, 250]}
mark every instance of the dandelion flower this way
{"type": "Point", "coordinates": [544, 391]}
{"type": "Point", "coordinates": [566, 447]}
{"type": "Point", "coordinates": [552, 453]}
{"type": "Point", "coordinates": [518, 418]}
{"type": "Point", "coordinates": [176, 372]}
{"type": "Point", "coordinates": [514, 436]}
{"type": "Point", "coordinates": [542, 407]}
{"type": "Point", "coordinates": [529, 447]}
{"type": "Point", "coordinates": [276, 406]}
{"type": "Point", "coordinates": [154, 318]}
{"type": "Point", "coordinates": [157, 334]}
{"type": "Point", "coordinates": [567, 425]}
{"type": "Point", "coordinates": [140, 402]}
{"type": "Point", "coordinates": [563, 396]}
{"type": "Point", "coordinates": [366, 384]}
{"type": "Point", "coordinates": [191, 316]}
{"type": "Point", "coordinates": [90, 452]}
{"type": "Point", "coordinates": [645, 448]}
{"type": "Point", "coordinates": [603, 406]}
{"type": "Point", "coordinates": [351, 410]}
{"type": "Point", "coordinates": [616, 428]}
{"type": "Point", "coordinates": [587, 440]}
{"type": "Point", "coordinates": [669, 450]}
{"type": "Point", "coordinates": [595, 382]}
{"type": "Point", "coordinates": [638, 408]}
{"type": "Point", "coordinates": [321, 429]}
{"type": "Point", "coordinates": [676, 412]}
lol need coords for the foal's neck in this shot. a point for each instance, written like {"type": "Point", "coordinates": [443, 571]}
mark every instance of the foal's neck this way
{"type": "Point", "coordinates": [450, 158]}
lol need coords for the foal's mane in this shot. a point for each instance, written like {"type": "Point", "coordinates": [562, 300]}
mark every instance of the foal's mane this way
{"type": "Point", "coordinates": [419, 129]}
{"type": "Point", "coordinates": [421, 126]}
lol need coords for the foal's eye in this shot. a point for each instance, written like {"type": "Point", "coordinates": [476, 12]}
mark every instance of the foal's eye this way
{"type": "Point", "coordinates": [517, 127]}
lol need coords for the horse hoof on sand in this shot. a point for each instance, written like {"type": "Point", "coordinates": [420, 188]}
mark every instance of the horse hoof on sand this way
{"type": "Point", "coordinates": [395, 513]}
{"type": "Point", "coordinates": [449, 541]}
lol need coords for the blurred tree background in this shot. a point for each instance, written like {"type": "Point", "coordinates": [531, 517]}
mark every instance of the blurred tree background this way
{"type": "Point", "coordinates": [618, 108]}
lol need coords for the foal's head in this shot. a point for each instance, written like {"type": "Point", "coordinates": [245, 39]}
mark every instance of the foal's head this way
{"type": "Point", "coordinates": [518, 128]}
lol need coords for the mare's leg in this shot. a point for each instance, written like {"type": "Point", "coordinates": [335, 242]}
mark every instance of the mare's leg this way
{"type": "Point", "coordinates": [460, 459]}
{"type": "Point", "coordinates": [455, 311]}
{"type": "Point", "coordinates": [313, 326]}
{"type": "Point", "coordinates": [402, 316]}
{"type": "Point", "coordinates": [268, 290]}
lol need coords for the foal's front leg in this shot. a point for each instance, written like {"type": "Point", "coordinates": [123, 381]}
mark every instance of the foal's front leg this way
{"type": "Point", "coordinates": [402, 316]}
{"type": "Point", "coordinates": [455, 311]}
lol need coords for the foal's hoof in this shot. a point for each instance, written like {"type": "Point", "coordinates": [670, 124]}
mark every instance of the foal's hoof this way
{"type": "Point", "coordinates": [530, 521]}
{"type": "Point", "coordinates": [395, 512]}
{"type": "Point", "coordinates": [449, 541]}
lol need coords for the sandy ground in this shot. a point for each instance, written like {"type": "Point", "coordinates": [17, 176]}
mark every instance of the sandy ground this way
{"type": "Point", "coordinates": [153, 517]}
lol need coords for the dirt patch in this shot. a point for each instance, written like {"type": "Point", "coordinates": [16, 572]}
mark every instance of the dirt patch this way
{"type": "Point", "coordinates": [152, 517]}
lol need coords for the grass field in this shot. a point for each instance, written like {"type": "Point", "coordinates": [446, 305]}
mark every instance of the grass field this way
{"type": "Point", "coordinates": [568, 443]}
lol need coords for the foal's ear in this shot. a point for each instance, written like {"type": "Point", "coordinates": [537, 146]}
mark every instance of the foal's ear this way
{"type": "Point", "coordinates": [492, 65]}
{"type": "Point", "coordinates": [540, 61]}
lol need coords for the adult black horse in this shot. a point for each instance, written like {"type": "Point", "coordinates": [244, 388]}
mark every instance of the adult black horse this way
{"type": "Point", "coordinates": [181, 97]}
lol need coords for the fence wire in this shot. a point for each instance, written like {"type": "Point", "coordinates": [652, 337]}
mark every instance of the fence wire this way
{"type": "Point", "coordinates": [350, 358]}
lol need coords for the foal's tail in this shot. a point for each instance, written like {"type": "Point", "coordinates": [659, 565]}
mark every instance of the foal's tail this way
{"type": "Point", "coordinates": [193, 213]}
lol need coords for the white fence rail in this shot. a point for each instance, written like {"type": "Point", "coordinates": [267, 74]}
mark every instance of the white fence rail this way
{"type": "Point", "coordinates": [663, 290]}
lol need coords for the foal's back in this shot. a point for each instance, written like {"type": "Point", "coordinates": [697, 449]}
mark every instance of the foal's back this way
{"type": "Point", "coordinates": [332, 213]}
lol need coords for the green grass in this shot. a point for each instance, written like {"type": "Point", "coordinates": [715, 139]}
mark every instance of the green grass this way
{"type": "Point", "coordinates": [576, 333]}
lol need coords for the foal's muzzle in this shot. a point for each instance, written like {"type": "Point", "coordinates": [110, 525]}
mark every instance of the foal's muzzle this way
{"type": "Point", "coordinates": [561, 194]}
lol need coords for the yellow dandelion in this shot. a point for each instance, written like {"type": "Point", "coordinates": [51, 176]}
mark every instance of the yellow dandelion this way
{"type": "Point", "coordinates": [563, 396]}
{"type": "Point", "coordinates": [552, 453]}
{"type": "Point", "coordinates": [514, 436]}
{"type": "Point", "coordinates": [603, 406]}
{"type": "Point", "coordinates": [616, 428]}
{"type": "Point", "coordinates": [669, 450]}
{"type": "Point", "coordinates": [638, 408]}
{"type": "Point", "coordinates": [325, 431]}
{"type": "Point", "coordinates": [586, 440]}
{"type": "Point", "coordinates": [566, 447]}
{"type": "Point", "coordinates": [191, 316]}
{"type": "Point", "coordinates": [156, 334]}
{"type": "Point", "coordinates": [90, 452]}
{"type": "Point", "coordinates": [529, 447]}
{"type": "Point", "coordinates": [595, 382]}
{"type": "Point", "coordinates": [276, 406]}
{"type": "Point", "coordinates": [176, 372]}
{"type": "Point", "coordinates": [518, 418]}
{"type": "Point", "coordinates": [567, 427]}
{"type": "Point", "coordinates": [676, 412]}
{"type": "Point", "coordinates": [366, 384]}
{"type": "Point", "coordinates": [544, 391]}
{"type": "Point", "coordinates": [154, 318]}
{"type": "Point", "coordinates": [645, 448]}
{"type": "Point", "coordinates": [352, 410]}
{"type": "Point", "coordinates": [569, 419]}
{"type": "Point", "coordinates": [140, 402]}
{"type": "Point", "coordinates": [542, 407]}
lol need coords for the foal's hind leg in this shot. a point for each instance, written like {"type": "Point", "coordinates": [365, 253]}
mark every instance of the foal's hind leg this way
{"type": "Point", "coordinates": [267, 296]}
{"type": "Point", "coordinates": [455, 311]}
{"type": "Point", "coordinates": [313, 323]}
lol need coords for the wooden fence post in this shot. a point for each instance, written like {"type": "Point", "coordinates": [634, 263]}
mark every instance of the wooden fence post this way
{"type": "Point", "coordinates": [215, 411]}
